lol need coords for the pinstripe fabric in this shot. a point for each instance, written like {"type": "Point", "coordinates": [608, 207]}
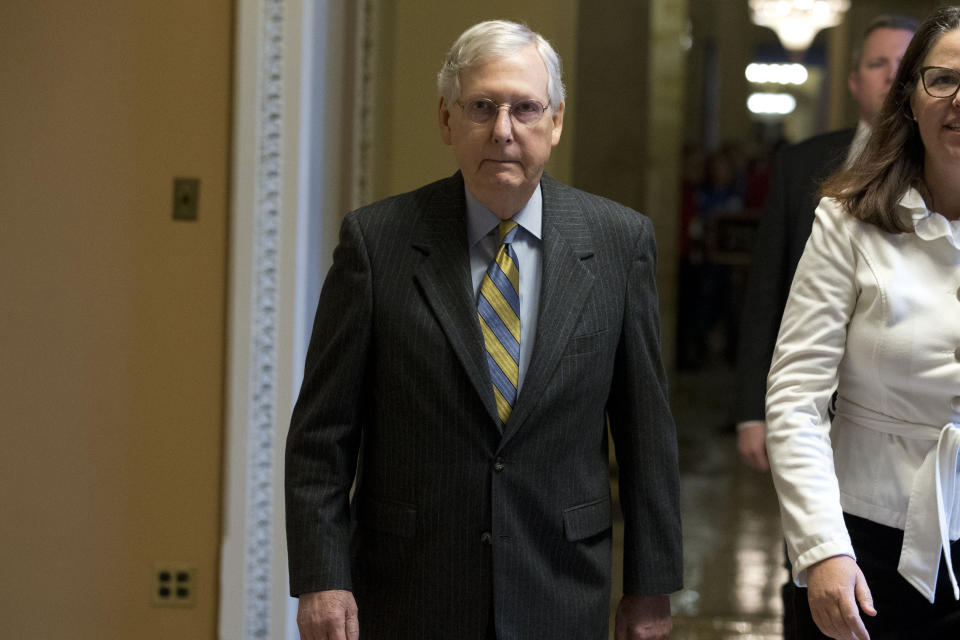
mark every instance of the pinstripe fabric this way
{"type": "Point", "coordinates": [452, 517]}
{"type": "Point", "coordinates": [498, 309]}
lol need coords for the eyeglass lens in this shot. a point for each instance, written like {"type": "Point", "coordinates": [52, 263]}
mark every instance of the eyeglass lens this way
{"type": "Point", "coordinates": [940, 82]}
{"type": "Point", "coordinates": [484, 110]}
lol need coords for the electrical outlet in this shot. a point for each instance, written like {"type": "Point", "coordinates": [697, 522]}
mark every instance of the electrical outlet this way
{"type": "Point", "coordinates": [186, 198]}
{"type": "Point", "coordinates": [174, 584]}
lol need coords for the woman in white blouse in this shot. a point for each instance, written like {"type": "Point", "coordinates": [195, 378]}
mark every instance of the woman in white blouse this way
{"type": "Point", "coordinates": [871, 502]}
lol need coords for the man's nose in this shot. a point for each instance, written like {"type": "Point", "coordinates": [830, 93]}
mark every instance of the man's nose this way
{"type": "Point", "coordinates": [503, 124]}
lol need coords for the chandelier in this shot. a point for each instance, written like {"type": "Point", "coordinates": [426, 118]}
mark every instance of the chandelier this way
{"type": "Point", "coordinates": [796, 22]}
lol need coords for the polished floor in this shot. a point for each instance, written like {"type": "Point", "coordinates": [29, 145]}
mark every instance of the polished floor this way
{"type": "Point", "coordinates": [733, 549]}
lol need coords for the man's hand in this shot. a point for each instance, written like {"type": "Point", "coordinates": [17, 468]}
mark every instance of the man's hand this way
{"type": "Point", "coordinates": [752, 444]}
{"type": "Point", "coordinates": [328, 615]}
{"type": "Point", "coordinates": [643, 618]}
{"type": "Point", "coordinates": [834, 587]}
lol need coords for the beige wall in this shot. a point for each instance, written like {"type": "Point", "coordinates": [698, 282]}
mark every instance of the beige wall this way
{"type": "Point", "coordinates": [722, 41]}
{"type": "Point", "coordinates": [631, 70]}
{"type": "Point", "coordinates": [412, 43]}
{"type": "Point", "coordinates": [668, 26]}
{"type": "Point", "coordinates": [612, 73]}
{"type": "Point", "coordinates": [112, 315]}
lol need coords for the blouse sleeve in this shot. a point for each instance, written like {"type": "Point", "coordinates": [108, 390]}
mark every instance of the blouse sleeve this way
{"type": "Point", "coordinates": [802, 378]}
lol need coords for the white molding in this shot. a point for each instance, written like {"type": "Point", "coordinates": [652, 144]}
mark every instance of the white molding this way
{"type": "Point", "coordinates": [285, 184]}
{"type": "Point", "coordinates": [262, 410]}
{"type": "Point", "coordinates": [263, 229]}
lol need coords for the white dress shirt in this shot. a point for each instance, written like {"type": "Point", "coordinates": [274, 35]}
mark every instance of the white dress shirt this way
{"type": "Point", "coordinates": [859, 142]}
{"type": "Point", "coordinates": [483, 240]}
{"type": "Point", "coordinates": [877, 316]}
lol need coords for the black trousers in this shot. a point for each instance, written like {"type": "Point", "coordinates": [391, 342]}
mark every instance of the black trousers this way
{"type": "Point", "coordinates": [902, 613]}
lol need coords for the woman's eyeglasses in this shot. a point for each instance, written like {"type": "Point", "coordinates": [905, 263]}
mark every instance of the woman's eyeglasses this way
{"type": "Point", "coordinates": [940, 82]}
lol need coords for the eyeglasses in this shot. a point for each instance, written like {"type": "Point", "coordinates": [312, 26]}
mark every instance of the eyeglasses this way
{"type": "Point", "coordinates": [940, 82]}
{"type": "Point", "coordinates": [483, 110]}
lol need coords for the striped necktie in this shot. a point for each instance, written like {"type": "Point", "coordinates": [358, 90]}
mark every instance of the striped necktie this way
{"type": "Point", "coordinates": [498, 306]}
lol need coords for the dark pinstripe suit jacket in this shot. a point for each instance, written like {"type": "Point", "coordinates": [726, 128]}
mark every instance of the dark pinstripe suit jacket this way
{"type": "Point", "coordinates": [787, 220]}
{"type": "Point", "coordinates": [451, 516]}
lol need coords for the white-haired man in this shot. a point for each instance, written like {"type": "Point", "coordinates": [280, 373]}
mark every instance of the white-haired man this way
{"type": "Point", "coordinates": [471, 341]}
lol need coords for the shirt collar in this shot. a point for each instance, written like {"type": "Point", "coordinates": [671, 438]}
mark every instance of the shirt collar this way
{"type": "Point", "coordinates": [928, 225]}
{"type": "Point", "coordinates": [858, 143]}
{"type": "Point", "coordinates": [913, 201]}
{"type": "Point", "coordinates": [481, 221]}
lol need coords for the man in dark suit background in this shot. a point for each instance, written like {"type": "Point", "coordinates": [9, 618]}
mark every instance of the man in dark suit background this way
{"type": "Point", "coordinates": [786, 224]}
{"type": "Point", "coordinates": [472, 339]}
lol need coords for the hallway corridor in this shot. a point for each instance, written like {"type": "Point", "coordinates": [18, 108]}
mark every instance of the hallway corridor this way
{"type": "Point", "coordinates": [733, 549]}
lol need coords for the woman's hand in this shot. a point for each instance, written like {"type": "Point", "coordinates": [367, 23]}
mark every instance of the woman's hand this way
{"type": "Point", "coordinates": [834, 588]}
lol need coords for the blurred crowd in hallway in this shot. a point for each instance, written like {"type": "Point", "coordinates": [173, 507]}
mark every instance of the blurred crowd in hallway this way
{"type": "Point", "coordinates": [722, 196]}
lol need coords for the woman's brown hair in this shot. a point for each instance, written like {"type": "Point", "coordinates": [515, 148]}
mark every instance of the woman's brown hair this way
{"type": "Point", "coordinates": [893, 158]}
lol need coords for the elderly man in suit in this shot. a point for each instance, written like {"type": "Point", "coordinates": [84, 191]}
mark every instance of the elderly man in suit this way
{"type": "Point", "coordinates": [472, 341]}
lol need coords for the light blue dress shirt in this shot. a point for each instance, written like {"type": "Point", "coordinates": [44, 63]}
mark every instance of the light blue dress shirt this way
{"type": "Point", "coordinates": [483, 242]}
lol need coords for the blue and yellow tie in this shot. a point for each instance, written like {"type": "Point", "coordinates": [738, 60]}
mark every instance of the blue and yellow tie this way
{"type": "Point", "coordinates": [498, 306]}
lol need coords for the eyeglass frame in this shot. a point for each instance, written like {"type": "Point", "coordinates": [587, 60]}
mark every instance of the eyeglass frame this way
{"type": "Point", "coordinates": [923, 81]}
{"type": "Point", "coordinates": [509, 106]}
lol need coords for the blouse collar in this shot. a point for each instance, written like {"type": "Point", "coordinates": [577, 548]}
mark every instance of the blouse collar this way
{"type": "Point", "coordinates": [928, 225]}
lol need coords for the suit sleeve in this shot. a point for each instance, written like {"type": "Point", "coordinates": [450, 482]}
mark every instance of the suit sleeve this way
{"type": "Point", "coordinates": [645, 437]}
{"type": "Point", "coordinates": [325, 429]}
{"type": "Point", "coordinates": [765, 291]}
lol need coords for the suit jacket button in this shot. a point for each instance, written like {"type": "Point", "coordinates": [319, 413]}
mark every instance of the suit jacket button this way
{"type": "Point", "coordinates": [486, 538]}
{"type": "Point", "coordinates": [498, 465]}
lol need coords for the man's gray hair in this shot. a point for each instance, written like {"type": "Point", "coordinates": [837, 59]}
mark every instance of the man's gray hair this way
{"type": "Point", "coordinates": [491, 40]}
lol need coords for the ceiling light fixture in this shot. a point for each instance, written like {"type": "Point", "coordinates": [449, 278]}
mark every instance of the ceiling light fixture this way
{"type": "Point", "coordinates": [759, 73]}
{"type": "Point", "coordinates": [796, 22]}
{"type": "Point", "coordinates": [771, 104]}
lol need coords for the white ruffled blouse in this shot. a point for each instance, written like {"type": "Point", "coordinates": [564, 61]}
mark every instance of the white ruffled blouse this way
{"type": "Point", "coordinates": [875, 316]}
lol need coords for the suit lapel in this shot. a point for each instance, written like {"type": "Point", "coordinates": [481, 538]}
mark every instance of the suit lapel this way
{"type": "Point", "coordinates": [566, 282]}
{"type": "Point", "coordinates": [444, 278]}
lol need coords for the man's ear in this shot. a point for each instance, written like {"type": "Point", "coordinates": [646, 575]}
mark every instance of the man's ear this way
{"type": "Point", "coordinates": [443, 116]}
{"type": "Point", "coordinates": [853, 84]}
{"type": "Point", "coordinates": [557, 124]}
